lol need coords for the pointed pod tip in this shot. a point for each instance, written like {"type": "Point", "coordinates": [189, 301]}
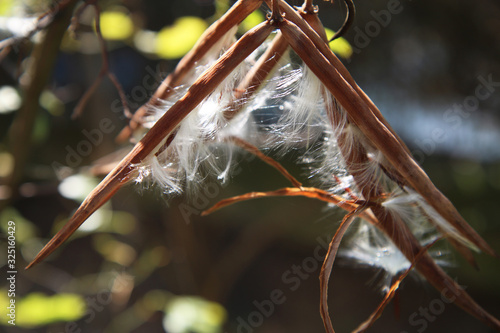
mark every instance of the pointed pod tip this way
{"type": "Point", "coordinates": [487, 249]}
{"type": "Point", "coordinates": [495, 254]}
{"type": "Point", "coordinates": [40, 256]}
{"type": "Point", "coordinates": [31, 264]}
{"type": "Point", "coordinates": [473, 262]}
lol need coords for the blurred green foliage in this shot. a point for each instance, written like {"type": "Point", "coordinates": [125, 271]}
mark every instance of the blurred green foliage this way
{"type": "Point", "coordinates": [164, 274]}
{"type": "Point", "coordinates": [37, 309]}
{"type": "Point", "coordinates": [175, 41]}
{"type": "Point", "coordinates": [193, 315]}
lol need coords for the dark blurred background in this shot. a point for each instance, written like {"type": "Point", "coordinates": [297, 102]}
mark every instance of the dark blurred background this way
{"type": "Point", "coordinates": [147, 263]}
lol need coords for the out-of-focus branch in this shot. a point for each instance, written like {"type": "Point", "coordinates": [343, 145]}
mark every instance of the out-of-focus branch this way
{"type": "Point", "coordinates": [104, 67]}
{"type": "Point", "coordinates": [42, 22]}
{"type": "Point", "coordinates": [43, 56]}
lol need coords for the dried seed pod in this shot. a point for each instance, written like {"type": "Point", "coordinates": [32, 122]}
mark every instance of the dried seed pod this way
{"type": "Point", "coordinates": [388, 144]}
{"type": "Point", "coordinates": [237, 13]}
{"type": "Point", "coordinates": [381, 137]}
{"type": "Point", "coordinates": [159, 132]}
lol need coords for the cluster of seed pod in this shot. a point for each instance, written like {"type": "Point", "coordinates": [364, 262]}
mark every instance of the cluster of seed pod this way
{"type": "Point", "coordinates": [211, 104]}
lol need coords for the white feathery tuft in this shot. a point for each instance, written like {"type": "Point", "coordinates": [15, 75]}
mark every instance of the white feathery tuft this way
{"type": "Point", "coordinates": [197, 150]}
{"type": "Point", "coordinates": [421, 217]}
{"type": "Point", "coordinates": [368, 246]}
{"type": "Point", "coordinates": [292, 110]}
{"type": "Point", "coordinates": [302, 113]}
{"type": "Point", "coordinates": [444, 225]}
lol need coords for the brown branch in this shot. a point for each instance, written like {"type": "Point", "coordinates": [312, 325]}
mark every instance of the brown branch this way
{"type": "Point", "coordinates": [309, 7]}
{"type": "Point", "coordinates": [168, 123]}
{"type": "Point", "coordinates": [250, 84]}
{"type": "Point", "coordinates": [313, 28]}
{"type": "Point", "coordinates": [43, 60]}
{"type": "Point", "coordinates": [358, 156]}
{"type": "Point", "coordinates": [310, 26]}
{"type": "Point", "coordinates": [349, 20]}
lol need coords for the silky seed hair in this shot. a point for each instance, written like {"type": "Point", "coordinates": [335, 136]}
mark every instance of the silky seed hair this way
{"type": "Point", "coordinates": [198, 150]}
{"type": "Point", "coordinates": [307, 120]}
{"type": "Point", "coordinates": [367, 246]}
{"type": "Point", "coordinates": [291, 112]}
{"type": "Point", "coordinates": [408, 207]}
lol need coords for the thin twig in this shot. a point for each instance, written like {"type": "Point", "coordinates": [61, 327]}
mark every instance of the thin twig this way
{"type": "Point", "coordinates": [275, 11]}
{"type": "Point", "coordinates": [349, 20]}
{"type": "Point", "coordinates": [393, 289]}
{"type": "Point", "coordinates": [272, 162]}
{"type": "Point", "coordinates": [309, 7]}
{"type": "Point", "coordinates": [308, 192]}
{"type": "Point", "coordinates": [104, 71]}
{"type": "Point", "coordinates": [327, 266]}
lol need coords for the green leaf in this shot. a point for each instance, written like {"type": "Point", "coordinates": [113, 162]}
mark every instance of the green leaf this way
{"type": "Point", "coordinates": [25, 229]}
{"type": "Point", "coordinates": [116, 25]}
{"type": "Point", "coordinates": [339, 46]}
{"type": "Point", "coordinates": [6, 7]}
{"type": "Point", "coordinates": [221, 6]}
{"type": "Point", "coordinates": [37, 309]}
{"type": "Point", "coordinates": [175, 41]}
{"type": "Point", "coordinates": [6, 165]}
{"type": "Point", "coordinates": [52, 103]}
{"type": "Point", "coordinates": [252, 20]}
{"type": "Point", "coordinates": [193, 314]}
{"type": "Point", "coordinates": [41, 128]}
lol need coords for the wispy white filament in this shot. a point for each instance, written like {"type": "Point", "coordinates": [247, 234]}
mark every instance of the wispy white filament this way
{"type": "Point", "coordinates": [370, 247]}
{"type": "Point", "coordinates": [293, 111]}
{"type": "Point", "coordinates": [197, 150]}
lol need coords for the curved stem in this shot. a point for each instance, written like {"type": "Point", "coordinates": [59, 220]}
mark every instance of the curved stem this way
{"type": "Point", "coordinates": [349, 20]}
